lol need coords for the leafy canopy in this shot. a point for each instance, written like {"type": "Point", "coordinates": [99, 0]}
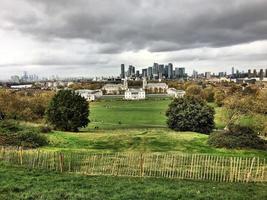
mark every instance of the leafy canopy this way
{"type": "Point", "coordinates": [190, 114]}
{"type": "Point", "coordinates": [68, 111]}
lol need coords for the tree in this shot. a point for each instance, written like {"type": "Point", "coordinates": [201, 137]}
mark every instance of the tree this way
{"type": "Point", "coordinates": [195, 91]}
{"type": "Point", "coordinates": [190, 114]}
{"type": "Point", "coordinates": [209, 94]}
{"type": "Point", "coordinates": [219, 97]}
{"type": "Point", "coordinates": [68, 111]}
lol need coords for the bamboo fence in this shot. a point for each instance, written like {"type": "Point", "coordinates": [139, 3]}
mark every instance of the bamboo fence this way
{"type": "Point", "coordinates": [177, 166]}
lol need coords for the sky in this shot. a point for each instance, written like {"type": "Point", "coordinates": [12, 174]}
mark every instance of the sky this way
{"type": "Point", "coordinates": [92, 38]}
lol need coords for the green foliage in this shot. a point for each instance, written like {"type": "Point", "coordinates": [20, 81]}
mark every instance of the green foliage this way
{"type": "Point", "coordinates": [68, 111]}
{"type": "Point", "coordinates": [13, 134]}
{"type": "Point", "coordinates": [219, 97]}
{"type": "Point", "coordinates": [209, 94]}
{"type": "Point", "coordinates": [190, 114]}
{"type": "Point", "coordinates": [195, 91]}
{"type": "Point", "coordinates": [237, 137]}
{"type": "Point", "coordinates": [24, 105]}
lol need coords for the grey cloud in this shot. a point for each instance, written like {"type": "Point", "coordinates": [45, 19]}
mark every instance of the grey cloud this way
{"type": "Point", "coordinates": [155, 25]}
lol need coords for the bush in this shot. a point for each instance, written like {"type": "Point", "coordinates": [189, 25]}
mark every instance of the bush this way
{"type": "Point", "coordinates": [68, 111]}
{"type": "Point", "coordinates": [190, 114]}
{"type": "Point", "coordinates": [13, 134]}
{"type": "Point", "coordinates": [237, 136]}
{"type": "Point", "coordinates": [45, 129]}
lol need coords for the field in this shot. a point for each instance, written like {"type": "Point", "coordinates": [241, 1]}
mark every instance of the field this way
{"type": "Point", "coordinates": [142, 127]}
{"type": "Point", "coordinates": [128, 114]}
{"type": "Point", "coordinates": [19, 183]}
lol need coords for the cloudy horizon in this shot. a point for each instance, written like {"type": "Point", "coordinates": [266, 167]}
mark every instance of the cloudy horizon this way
{"type": "Point", "coordinates": [92, 38]}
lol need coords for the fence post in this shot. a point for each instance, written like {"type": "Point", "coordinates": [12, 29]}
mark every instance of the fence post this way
{"type": "Point", "coordinates": [250, 170]}
{"type": "Point", "coordinates": [20, 155]}
{"type": "Point", "coordinates": [141, 165]}
{"type": "Point", "coordinates": [61, 162]}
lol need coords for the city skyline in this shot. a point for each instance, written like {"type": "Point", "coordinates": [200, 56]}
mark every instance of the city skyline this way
{"type": "Point", "coordinates": [92, 38]}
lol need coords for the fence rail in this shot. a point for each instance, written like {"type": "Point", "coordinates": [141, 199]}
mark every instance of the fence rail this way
{"type": "Point", "coordinates": [179, 166]}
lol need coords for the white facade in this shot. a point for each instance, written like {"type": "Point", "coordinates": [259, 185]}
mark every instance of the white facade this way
{"type": "Point", "coordinates": [90, 95]}
{"type": "Point", "coordinates": [134, 94]}
{"type": "Point", "coordinates": [175, 93]}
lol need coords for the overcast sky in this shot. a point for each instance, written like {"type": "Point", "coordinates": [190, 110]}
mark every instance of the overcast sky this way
{"type": "Point", "coordinates": [93, 37]}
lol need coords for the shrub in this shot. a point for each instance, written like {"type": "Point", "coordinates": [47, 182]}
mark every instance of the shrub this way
{"type": "Point", "coordinates": [28, 138]}
{"type": "Point", "coordinates": [190, 114]}
{"type": "Point", "coordinates": [237, 136]}
{"type": "Point", "coordinates": [13, 134]}
{"type": "Point", "coordinates": [45, 129]}
{"type": "Point", "coordinates": [68, 111]}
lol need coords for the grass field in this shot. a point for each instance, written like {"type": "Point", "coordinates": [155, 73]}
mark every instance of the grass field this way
{"type": "Point", "coordinates": [128, 114]}
{"type": "Point", "coordinates": [137, 140]}
{"type": "Point", "coordinates": [19, 183]}
{"type": "Point", "coordinates": [136, 114]}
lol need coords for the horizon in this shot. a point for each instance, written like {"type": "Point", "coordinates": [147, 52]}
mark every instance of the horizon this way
{"type": "Point", "coordinates": [92, 38]}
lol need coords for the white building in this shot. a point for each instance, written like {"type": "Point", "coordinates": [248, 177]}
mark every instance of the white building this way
{"type": "Point", "coordinates": [175, 93]}
{"type": "Point", "coordinates": [134, 94]}
{"type": "Point", "coordinates": [155, 87]}
{"type": "Point", "coordinates": [90, 95]}
{"type": "Point", "coordinates": [115, 88]}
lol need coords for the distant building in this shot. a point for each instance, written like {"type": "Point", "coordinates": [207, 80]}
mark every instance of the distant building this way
{"type": "Point", "coordinates": [159, 87]}
{"type": "Point", "coordinates": [135, 94]}
{"type": "Point", "coordinates": [115, 88]}
{"type": "Point", "coordinates": [122, 71]}
{"type": "Point", "coordinates": [90, 95]}
{"type": "Point", "coordinates": [175, 93]}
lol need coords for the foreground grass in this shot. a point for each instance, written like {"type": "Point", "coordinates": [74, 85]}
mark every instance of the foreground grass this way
{"type": "Point", "coordinates": [139, 140]}
{"type": "Point", "coordinates": [18, 183]}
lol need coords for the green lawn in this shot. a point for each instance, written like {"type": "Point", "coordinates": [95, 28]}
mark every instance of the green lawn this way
{"type": "Point", "coordinates": [148, 140]}
{"type": "Point", "coordinates": [19, 183]}
{"type": "Point", "coordinates": [128, 114]}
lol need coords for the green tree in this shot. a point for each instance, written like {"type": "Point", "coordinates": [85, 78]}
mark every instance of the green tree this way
{"type": "Point", "coordinates": [195, 91]}
{"type": "Point", "coordinates": [68, 111]}
{"type": "Point", "coordinates": [190, 114]}
{"type": "Point", "coordinates": [219, 97]}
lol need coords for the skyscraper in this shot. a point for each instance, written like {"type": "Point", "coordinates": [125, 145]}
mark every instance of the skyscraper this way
{"type": "Point", "coordinates": [261, 74]}
{"type": "Point", "coordinates": [149, 73]}
{"type": "Point", "coordinates": [170, 71]}
{"type": "Point", "coordinates": [122, 71]}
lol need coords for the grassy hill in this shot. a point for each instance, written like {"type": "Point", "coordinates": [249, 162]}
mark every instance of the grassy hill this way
{"type": "Point", "coordinates": [137, 140]}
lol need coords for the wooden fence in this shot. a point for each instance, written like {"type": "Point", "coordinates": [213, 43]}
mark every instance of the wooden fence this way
{"type": "Point", "coordinates": [179, 166]}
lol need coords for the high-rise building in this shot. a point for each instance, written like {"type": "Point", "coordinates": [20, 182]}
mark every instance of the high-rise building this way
{"type": "Point", "coordinates": [149, 73]}
{"type": "Point", "coordinates": [261, 74]}
{"type": "Point", "coordinates": [122, 71]}
{"type": "Point", "coordinates": [179, 72]}
{"type": "Point", "coordinates": [137, 73]}
{"type": "Point", "coordinates": [254, 73]}
{"type": "Point", "coordinates": [170, 71]}
{"type": "Point", "coordinates": [233, 71]}
{"type": "Point", "coordinates": [265, 72]}
{"type": "Point", "coordinates": [207, 75]}
{"type": "Point", "coordinates": [249, 73]}
{"type": "Point", "coordinates": [144, 72]}
{"type": "Point", "coordinates": [195, 74]}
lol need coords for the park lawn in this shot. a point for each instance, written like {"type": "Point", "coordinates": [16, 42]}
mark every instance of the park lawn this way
{"type": "Point", "coordinates": [128, 114]}
{"type": "Point", "coordinates": [139, 140]}
{"type": "Point", "coordinates": [20, 183]}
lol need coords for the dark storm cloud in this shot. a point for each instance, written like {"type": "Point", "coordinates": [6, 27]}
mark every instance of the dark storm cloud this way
{"type": "Point", "coordinates": [156, 25]}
